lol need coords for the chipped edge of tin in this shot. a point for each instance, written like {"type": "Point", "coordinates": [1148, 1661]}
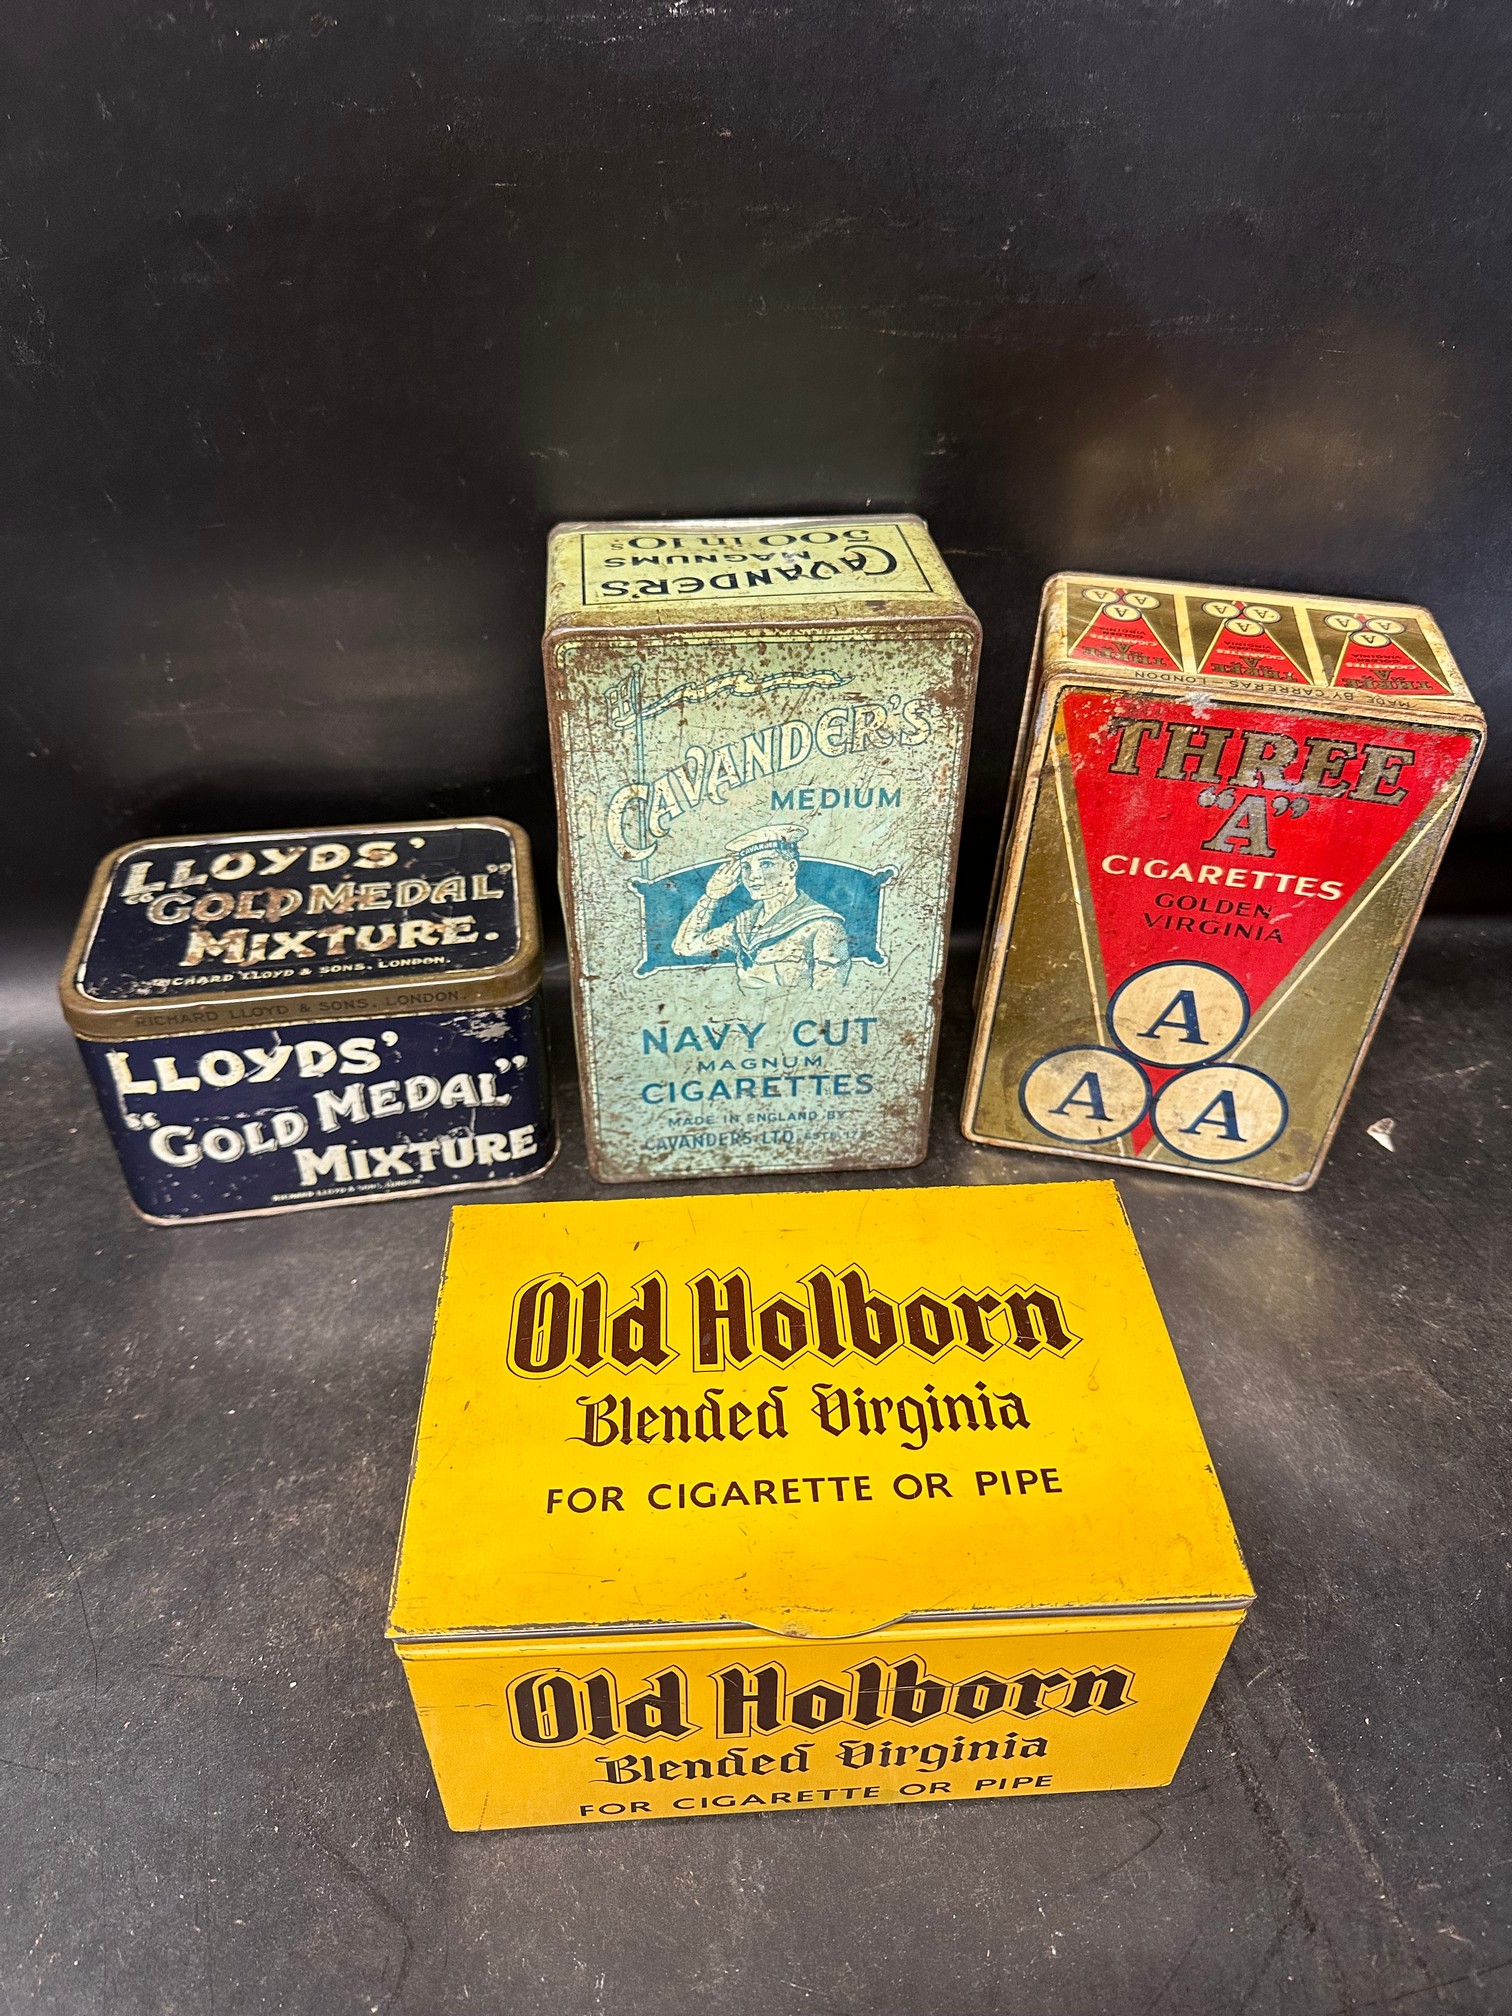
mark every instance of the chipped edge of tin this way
{"type": "Point", "coordinates": [1051, 674]}
{"type": "Point", "coordinates": [502, 986]}
{"type": "Point", "coordinates": [597, 1165]}
{"type": "Point", "coordinates": [1136, 1611]}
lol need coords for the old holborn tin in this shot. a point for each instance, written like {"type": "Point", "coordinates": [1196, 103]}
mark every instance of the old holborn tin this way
{"type": "Point", "coordinates": [730, 1505]}
{"type": "Point", "coordinates": [760, 730]}
{"type": "Point", "coordinates": [278, 1020]}
{"type": "Point", "coordinates": [1228, 805]}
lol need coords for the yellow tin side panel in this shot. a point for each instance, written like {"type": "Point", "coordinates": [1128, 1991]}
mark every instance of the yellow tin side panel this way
{"type": "Point", "coordinates": [708, 1724]}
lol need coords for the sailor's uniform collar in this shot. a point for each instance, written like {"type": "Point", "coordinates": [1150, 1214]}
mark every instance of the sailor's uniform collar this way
{"type": "Point", "coordinates": [753, 937]}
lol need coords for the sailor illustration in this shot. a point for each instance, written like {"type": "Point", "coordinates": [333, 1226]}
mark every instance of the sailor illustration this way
{"type": "Point", "coordinates": [782, 939]}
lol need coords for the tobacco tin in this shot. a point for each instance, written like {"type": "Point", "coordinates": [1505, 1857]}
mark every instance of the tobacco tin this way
{"type": "Point", "coordinates": [273, 1021]}
{"type": "Point", "coordinates": [743, 1504]}
{"type": "Point", "coordinates": [1227, 807]}
{"type": "Point", "coordinates": [760, 731]}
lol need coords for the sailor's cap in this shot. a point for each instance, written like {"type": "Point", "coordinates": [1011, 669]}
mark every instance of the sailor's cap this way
{"type": "Point", "coordinates": [781, 839]}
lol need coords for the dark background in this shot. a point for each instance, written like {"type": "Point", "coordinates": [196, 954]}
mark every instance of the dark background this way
{"type": "Point", "coordinates": [313, 319]}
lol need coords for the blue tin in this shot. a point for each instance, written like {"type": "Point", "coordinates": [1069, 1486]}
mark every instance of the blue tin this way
{"type": "Point", "coordinates": [275, 1021]}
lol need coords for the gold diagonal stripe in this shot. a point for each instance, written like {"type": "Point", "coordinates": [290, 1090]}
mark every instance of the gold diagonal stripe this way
{"type": "Point", "coordinates": [1072, 649]}
{"type": "Point", "coordinates": [1184, 634]}
{"type": "Point", "coordinates": [1088, 960]}
{"type": "Point", "coordinates": [1406, 849]}
{"type": "Point", "coordinates": [1400, 855]}
{"type": "Point", "coordinates": [1310, 649]}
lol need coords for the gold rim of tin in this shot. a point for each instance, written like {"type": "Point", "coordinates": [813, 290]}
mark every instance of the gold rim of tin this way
{"type": "Point", "coordinates": [501, 986]}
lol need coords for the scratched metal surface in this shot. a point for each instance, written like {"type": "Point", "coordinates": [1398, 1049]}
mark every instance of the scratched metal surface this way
{"type": "Point", "coordinates": [215, 1797]}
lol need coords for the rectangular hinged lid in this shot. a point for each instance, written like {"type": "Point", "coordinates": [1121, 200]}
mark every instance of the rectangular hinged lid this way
{"type": "Point", "coordinates": [749, 571]}
{"type": "Point", "coordinates": [749, 1396]}
{"type": "Point", "coordinates": [221, 929]}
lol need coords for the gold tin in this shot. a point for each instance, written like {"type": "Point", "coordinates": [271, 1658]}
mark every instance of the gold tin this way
{"type": "Point", "coordinates": [1226, 810]}
{"type": "Point", "coordinates": [760, 731]}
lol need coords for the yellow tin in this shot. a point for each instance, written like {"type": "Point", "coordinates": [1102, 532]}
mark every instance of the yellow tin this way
{"type": "Point", "coordinates": [1227, 807]}
{"type": "Point", "coordinates": [742, 1504]}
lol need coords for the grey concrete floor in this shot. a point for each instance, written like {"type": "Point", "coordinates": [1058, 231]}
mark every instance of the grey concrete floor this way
{"type": "Point", "coordinates": [216, 1798]}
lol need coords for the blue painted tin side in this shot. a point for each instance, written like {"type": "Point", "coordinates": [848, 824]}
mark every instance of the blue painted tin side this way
{"type": "Point", "coordinates": [275, 1118]}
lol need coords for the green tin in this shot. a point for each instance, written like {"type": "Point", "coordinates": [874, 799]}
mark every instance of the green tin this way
{"type": "Point", "coordinates": [760, 731]}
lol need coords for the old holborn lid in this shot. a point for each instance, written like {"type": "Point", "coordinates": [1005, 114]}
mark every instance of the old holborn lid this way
{"type": "Point", "coordinates": [811, 1413]}
{"type": "Point", "coordinates": [220, 930]}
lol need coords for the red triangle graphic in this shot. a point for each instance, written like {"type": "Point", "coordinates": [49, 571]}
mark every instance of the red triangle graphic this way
{"type": "Point", "coordinates": [1383, 668]}
{"type": "Point", "coordinates": [1158, 894]}
{"type": "Point", "coordinates": [1124, 641]}
{"type": "Point", "coordinates": [1259, 657]}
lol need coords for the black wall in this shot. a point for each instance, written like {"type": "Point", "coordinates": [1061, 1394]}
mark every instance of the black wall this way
{"type": "Point", "coordinates": [313, 318]}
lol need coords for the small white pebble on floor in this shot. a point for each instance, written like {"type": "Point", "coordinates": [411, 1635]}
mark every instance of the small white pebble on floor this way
{"type": "Point", "coordinates": [1382, 1132]}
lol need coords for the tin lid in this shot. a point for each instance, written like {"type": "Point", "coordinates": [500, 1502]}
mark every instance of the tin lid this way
{"type": "Point", "coordinates": [710, 572]}
{"type": "Point", "coordinates": [222, 930]}
{"type": "Point", "coordinates": [1316, 652]}
{"type": "Point", "coordinates": [811, 1413]}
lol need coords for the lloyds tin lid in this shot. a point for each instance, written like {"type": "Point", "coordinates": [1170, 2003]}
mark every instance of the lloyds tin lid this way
{"type": "Point", "coordinates": [219, 930]}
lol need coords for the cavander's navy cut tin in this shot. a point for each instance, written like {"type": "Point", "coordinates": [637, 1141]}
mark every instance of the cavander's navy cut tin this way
{"type": "Point", "coordinates": [279, 1020]}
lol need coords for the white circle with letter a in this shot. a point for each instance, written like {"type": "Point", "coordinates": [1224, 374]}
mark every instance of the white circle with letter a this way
{"type": "Point", "coordinates": [1220, 1113]}
{"type": "Point", "coordinates": [1084, 1095]}
{"type": "Point", "coordinates": [1178, 1013]}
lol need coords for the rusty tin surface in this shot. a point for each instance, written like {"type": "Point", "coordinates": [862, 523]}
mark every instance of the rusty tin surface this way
{"type": "Point", "coordinates": [760, 731]}
{"type": "Point", "coordinates": [1227, 807]}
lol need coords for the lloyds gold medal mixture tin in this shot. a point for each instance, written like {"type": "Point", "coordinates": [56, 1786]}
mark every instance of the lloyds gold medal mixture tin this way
{"type": "Point", "coordinates": [760, 730]}
{"type": "Point", "coordinates": [278, 1020]}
